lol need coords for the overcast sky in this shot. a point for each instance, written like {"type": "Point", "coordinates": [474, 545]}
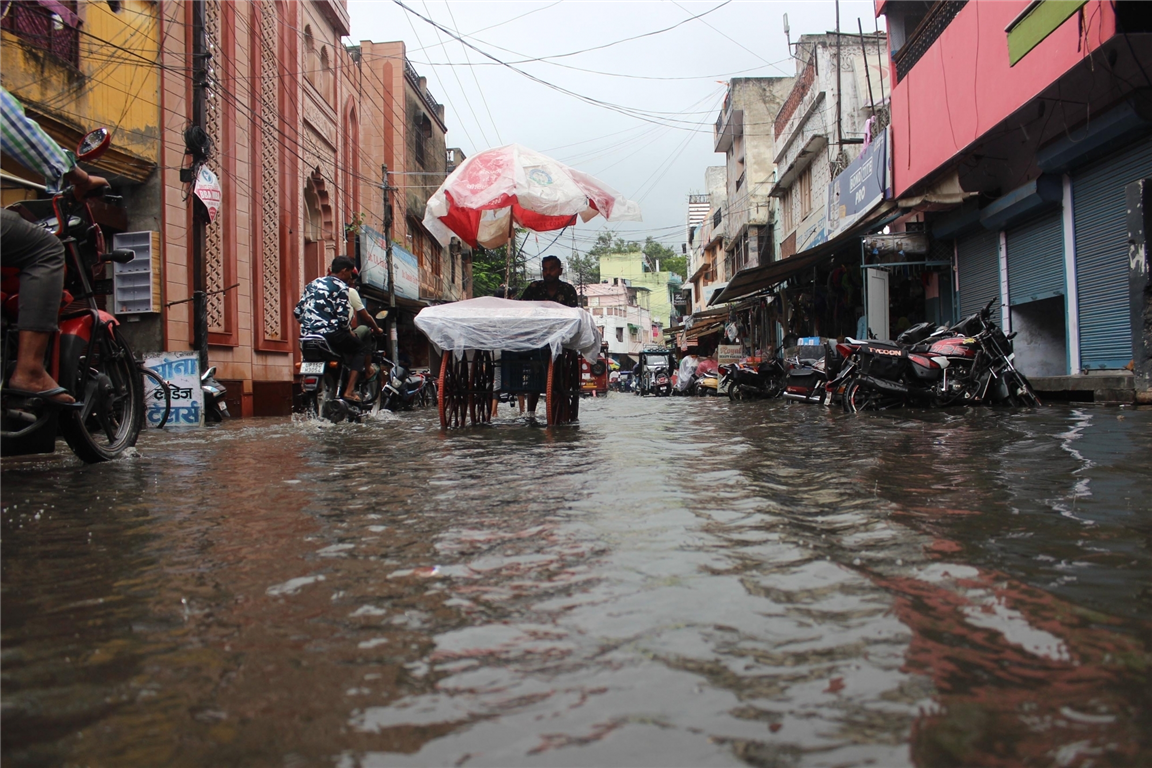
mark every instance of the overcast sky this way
{"type": "Point", "coordinates": [650, 133]}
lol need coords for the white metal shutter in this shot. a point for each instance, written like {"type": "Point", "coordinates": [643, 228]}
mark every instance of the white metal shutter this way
{"type": "Point", "coordinates": [1099, 212]}
{"type": "Point", "coordinates": [978, 262]}
{"type": "Point", "coordinates": [1036, 259]}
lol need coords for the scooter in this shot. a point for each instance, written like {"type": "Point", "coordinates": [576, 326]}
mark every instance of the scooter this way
{"type": "Point", "coordinates": [215, 407]}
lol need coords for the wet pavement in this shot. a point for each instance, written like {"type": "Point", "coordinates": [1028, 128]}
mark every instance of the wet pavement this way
{"type": "Point", "coordinates": [671, 582]}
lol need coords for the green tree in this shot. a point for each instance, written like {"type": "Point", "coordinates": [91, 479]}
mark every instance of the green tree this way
{"type": "Point", "coordinates": [583, 270]}
{"type": "Point", "coordinates": [488, 265]}
{"type": "Point", "coordinates": [658, 253]}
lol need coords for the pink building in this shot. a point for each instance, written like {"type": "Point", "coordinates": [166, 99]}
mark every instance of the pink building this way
{"type": "Point", "coordinates": [1016, 127]}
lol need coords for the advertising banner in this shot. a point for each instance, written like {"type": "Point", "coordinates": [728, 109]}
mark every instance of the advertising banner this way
{"type": "Point", "coordinates": [855, 192]}
{"type": "Point", "coordinates": [182, 371]}
{"type": "Point", "coordinates": [727, 354]}
{"type": "Point", "coordinates": [374, 258]}
{"type": "Point", "coordinates": [208, 189]}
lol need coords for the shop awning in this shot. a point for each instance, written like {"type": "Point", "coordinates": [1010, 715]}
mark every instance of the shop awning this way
{"type": "Point", "coordinates": [749, 281]}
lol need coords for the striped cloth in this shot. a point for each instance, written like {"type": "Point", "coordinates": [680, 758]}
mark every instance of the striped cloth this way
{"type": "Point", "coordinates": [27, 143]}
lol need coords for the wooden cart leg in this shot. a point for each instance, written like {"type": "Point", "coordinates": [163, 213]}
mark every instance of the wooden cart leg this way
{"type": "Point", "coordinates": [444, 387]}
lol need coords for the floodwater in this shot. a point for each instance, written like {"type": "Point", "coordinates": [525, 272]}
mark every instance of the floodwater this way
{"type": "Point", "coordinates": [671, 582]}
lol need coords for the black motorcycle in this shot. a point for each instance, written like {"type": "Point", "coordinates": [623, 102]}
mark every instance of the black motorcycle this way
{"type": "Point", "coordinates": [323, 379]}
{"type": "Point", "coordinates": [969, 363]}
{"type": "Point", "coordinates": [215, 408]}
{"type": "Point", "coordinates": [404, 389]}
{"type": "Point", "coordinates": [747, 381]}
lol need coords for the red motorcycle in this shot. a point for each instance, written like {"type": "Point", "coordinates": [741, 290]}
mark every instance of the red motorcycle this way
{"type": "Point", "coordinates": [88, 355]}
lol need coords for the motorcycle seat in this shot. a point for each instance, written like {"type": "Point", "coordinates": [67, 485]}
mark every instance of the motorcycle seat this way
{"type": "Point", "coordinates": [315, 349]}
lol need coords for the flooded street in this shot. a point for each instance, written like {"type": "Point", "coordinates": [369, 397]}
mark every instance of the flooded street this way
{"type": "Point", "coordinates": [671, 582]}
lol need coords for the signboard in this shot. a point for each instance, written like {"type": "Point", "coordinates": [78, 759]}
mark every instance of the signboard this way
{"type": "Point", "coordinates": [182, 371]}
{"type": "Point", "coordinates": [901, 243]}
{"type": "Point", "coordinates": [856, 191]}
{"type": "Point", "coordinates": [374, 260]}
{"type": "Point", "coordinates": [208, 190]}
{"type": "Point", "coordinates": [727, 354]}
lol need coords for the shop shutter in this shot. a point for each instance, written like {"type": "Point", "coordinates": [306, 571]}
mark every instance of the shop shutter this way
{"type": "Point", "coordinates": [978, 262]}
{"type": "Point", "coordinates": [1036, 259]}
{"type": "Point", "coordinates": [1099, 213]}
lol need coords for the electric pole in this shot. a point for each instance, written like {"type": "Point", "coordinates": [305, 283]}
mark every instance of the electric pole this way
{"type": "Point", "coordinates": [392, 335]}
{"type": "Point", "coordinates": [200, 58]}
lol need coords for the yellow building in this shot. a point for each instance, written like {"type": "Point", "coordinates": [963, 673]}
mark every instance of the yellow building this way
{"type": "Point", "coordinates": [76, 66]}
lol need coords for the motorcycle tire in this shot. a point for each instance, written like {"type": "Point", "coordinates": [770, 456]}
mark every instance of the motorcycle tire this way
{"type": "Point", "coordinates": [860, 396]}
{"type": "Point", "coordinates": [327, 390]}
{"type": "Point", "coordinates": [736, 392]}
{"type": "Point", "coordinates": [113, 415]}
{"type": "Point", "coordinates": [1021, 393]}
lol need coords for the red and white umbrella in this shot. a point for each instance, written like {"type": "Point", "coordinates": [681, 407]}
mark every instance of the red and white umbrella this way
{"type": "Point", "coordinates": [480, 200]}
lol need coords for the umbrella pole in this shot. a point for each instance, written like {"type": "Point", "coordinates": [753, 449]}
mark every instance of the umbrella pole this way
{"type": "Point", "coordinates": [508, 251]}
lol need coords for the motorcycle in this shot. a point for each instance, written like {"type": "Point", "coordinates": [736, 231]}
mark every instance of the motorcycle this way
{"type": "Point", "coordinates": [969, 363]}
{"type": "Point", "coordinates": [707, 379]}
{"type": "Point", "coordinates": [215, 408]}
{"type": "Point", "coordinates": [748, 380]}
{"type": "Point", "coordinates": [88, 355]}
{"type": "Point", "coordinates": [404, 389]}
{"type": "Point", "coordinates": [324, 376]}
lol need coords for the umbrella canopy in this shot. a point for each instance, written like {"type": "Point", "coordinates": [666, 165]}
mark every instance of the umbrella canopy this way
{"type": "Point", "coordinates": [493, 188]}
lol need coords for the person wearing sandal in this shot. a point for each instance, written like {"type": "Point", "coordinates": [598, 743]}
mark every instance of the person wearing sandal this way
{"type": "Point", "coordinates": [324, 310]}
{"type": "Point", "coordinates": [38, 254]}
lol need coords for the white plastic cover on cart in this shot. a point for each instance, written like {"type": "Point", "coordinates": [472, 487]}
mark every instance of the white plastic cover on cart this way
{"type": "Point", "coordinates": [494, 324]}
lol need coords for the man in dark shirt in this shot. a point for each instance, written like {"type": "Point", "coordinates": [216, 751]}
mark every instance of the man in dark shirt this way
{"type": "Point", "coordinates": [324, 310]}
{"type": "Point", "coordinates": [551, 288]}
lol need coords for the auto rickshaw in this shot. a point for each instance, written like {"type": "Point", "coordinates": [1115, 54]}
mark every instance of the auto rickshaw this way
{"type": "Point", "coordinates": [654, 375]}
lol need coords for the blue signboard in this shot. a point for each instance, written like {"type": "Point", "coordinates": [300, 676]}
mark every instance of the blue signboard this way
{"type": "Point", "coordinates": [374, 260]}
{"type": "Point", "coordinates": [855, 192]}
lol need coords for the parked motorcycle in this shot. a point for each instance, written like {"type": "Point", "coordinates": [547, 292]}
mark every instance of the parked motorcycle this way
{"type": "Point", "coordinates": [88, 355]}
{"type": "Point", "coordinates": [215, 408]}
{"type": "Point", "coordinates": [749, 380]}
{"type": "Point", "coordinates": [404, 389]}
{"type": "Point", "coordinates": [969, 363]}
{"type": "Point", "coordinates": [707, 379]}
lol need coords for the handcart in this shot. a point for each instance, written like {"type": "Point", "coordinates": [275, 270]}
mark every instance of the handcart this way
{"type": "Point", "coordinates": [491, 345]}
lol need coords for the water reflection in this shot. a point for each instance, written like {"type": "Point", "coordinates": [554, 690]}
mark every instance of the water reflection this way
{"type": "Point", "coordinates": [670, 582]}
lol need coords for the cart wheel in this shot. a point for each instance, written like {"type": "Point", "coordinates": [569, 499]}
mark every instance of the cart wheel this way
{"type": "Point", "coordinates": [563, 393]}
{"type": "Point", "coordinates": [480, 388]}
{"type": "Point", "coordinates": [453, 391]}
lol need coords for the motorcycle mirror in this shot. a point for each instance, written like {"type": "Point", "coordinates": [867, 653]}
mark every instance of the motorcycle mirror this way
{"type": "Point", "coordinates": [94, 144]}
{"type": "Point", "coordinates": [209, 373]}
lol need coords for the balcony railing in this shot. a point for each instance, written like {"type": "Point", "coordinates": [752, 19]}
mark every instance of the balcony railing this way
{"type": "Point", "coordinates": [47, 25]}
{"type": "Point", "coordinates": [926, 33]}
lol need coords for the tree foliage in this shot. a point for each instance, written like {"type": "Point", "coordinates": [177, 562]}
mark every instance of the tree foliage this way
{"type": "Point", "coordinates": [488, 266]}
{"type": "Point", "coordinates": [608, 242]}
{"type": "Point", "coordinates": [583, 270]}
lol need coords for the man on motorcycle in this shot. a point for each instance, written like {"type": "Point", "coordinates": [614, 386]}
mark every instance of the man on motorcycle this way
{"type": "Point", "coordinates": [324, 310]}
{"type": "Point", "coordinates": [38, 253]}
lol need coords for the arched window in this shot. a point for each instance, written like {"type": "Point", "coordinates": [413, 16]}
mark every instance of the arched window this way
{"type": "Point", "coordinates": [310, 66]}
{"type": "Point", "coordinates": [325, 75]}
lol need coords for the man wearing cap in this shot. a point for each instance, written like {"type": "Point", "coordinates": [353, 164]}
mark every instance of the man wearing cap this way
{"type": "Point", "coordinates": [324, 310]}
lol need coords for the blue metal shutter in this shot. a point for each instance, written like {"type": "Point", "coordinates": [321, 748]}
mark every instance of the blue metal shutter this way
{"type": "Point", "coordinates": [978, 262]}
{"type": "Point", "coordinates": [1099, 211]}
{"type": "Point", "coordinates": [1036, 259]}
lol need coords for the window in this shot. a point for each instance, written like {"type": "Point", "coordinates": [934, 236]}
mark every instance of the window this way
{"type": "Point", "coordinates": [53, 27]}
{"type": "Point", "coordinates": [310, 65]}
{"type": "Point", "coordinates": [805, 184]}
{"type": "Point", "coordinates": [788, 213]}
{"type": "Point", "coordinates": [422, 131]}
{"type": "Point", "coordinates": [620, 334]}
{"type": "Point", "coordinates": [325, 75]}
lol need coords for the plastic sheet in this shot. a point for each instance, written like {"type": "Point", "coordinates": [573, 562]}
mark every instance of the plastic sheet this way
{"type": "Point", "coordinates": [494, 324]}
